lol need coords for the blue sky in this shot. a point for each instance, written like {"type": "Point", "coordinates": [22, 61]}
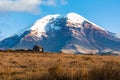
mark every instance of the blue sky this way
{"type": "Point", "coordinates": [15, 15]}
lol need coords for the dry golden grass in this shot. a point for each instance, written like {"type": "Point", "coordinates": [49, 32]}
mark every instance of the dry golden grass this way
{"type": "Point", "coordinates": [48, 66]}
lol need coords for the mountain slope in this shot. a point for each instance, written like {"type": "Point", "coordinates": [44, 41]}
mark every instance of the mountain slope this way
{"type": "Point", "coordinates": [71, 33]}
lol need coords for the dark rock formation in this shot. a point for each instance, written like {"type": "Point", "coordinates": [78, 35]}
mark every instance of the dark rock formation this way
{"type": "Point", "coordinates": [38, 48]}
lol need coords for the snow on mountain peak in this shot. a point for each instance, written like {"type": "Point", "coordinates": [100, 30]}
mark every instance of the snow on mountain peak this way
{"type": "Point", "coordinates": [77, 20]}
{"type": "Point", "coordinates": [40, 25]}
{"type": "Point", "coordinates": [48, 22]}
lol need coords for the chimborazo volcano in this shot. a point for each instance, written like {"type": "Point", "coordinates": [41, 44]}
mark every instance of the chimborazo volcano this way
{"type": "Point", "coordinates": [71, 33]}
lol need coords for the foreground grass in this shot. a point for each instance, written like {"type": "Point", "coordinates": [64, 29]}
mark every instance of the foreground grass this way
{"type": "Point", "coordinates": [35, 66]}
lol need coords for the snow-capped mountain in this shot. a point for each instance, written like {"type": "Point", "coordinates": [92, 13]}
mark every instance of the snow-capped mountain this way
{"type": "Point", "coordinates": [71, 33]}
{"type": "Point", "coordinates": [117, 35]}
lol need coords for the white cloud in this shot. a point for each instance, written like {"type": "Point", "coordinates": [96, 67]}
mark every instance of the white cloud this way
{"type": "Point", "coordinates": [27, 5]}
{"type": "Point", "coordinates": [54, 2]}
{"type": "Point", "coordinates": [49, 2]}
{"type": "Point", "coordinates": [63, 2]}
{"type": "Point", "coordinates": [19, 5]}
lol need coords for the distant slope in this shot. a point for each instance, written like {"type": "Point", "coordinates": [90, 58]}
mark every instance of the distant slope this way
{"type": "Point", "coordinates": [71, 33]}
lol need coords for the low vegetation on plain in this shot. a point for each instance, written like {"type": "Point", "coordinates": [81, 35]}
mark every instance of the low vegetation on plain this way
{"type": "Point", "coordinates": [51, 66]}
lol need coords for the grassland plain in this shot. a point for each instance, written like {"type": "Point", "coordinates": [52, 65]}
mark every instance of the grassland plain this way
{"type": "Point", "coordinates": [51, 66]}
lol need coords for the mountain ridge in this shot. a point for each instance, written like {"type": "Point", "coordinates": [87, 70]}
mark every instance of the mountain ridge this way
{"type": "Point", "coordinates": [71, 34]}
